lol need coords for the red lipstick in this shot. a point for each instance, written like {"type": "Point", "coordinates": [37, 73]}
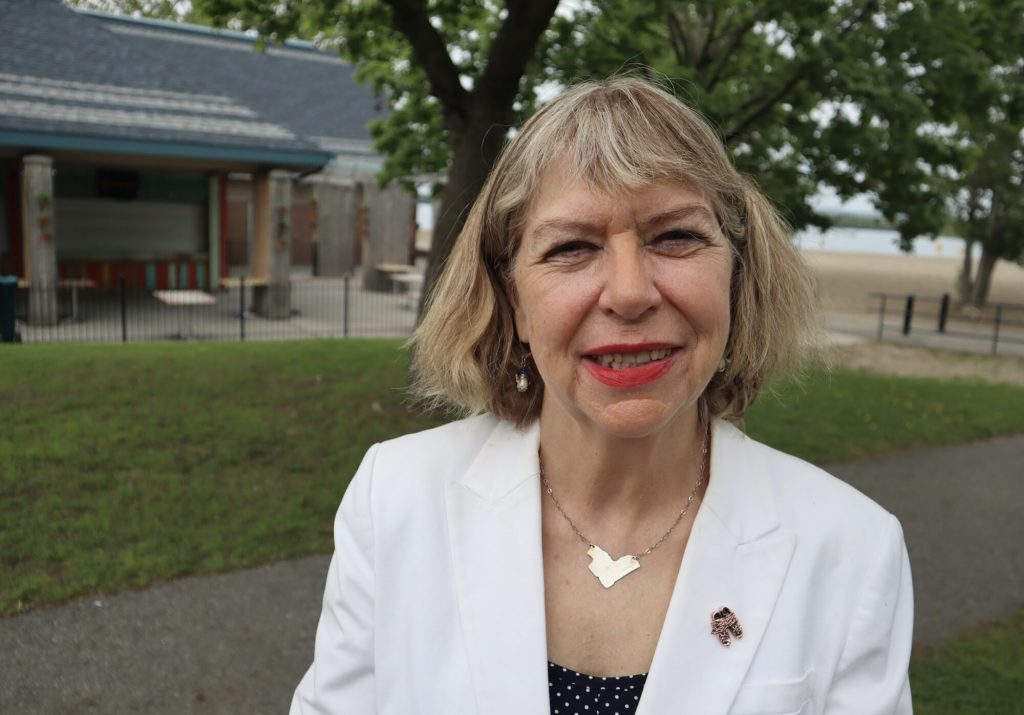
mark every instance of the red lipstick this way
{"type": "Point", "coordinates": [632, 376]}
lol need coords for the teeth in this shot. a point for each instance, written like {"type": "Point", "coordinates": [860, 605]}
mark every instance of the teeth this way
{"type": "Point", "coordinates": [619, 361]}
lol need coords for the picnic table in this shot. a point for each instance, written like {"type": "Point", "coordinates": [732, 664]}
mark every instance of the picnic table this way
{"type": "Point", "coordinates": [187, 300]}
{"type": "Point", "coordinates": [413, 283]}
{"type": "Point", "coordinates": [73, 283]}
{"type": "Point", "coordinates": [236, 281]}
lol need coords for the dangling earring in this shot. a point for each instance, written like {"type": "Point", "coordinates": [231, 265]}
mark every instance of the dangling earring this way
{"type": "Point", "coordinates": [522, 380]}
{"type": "Point", "coordinates": [722, 364]}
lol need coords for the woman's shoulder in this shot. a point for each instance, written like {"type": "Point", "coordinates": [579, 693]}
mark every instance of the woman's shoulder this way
{"type": "Point", "coordinates": [448, 444]}
{"type": "Point", "coordinates": [405, 482]}
{"type": "Point", "coordinates": [806, 497]}
{"type": "Point", "coordinates": [406, 467]}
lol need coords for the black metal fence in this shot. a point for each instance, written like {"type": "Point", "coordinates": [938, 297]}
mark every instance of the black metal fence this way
{"type": "Point", "coordinates": [241, 310]}
{"type": "Point", "coordinates": [995, 323]}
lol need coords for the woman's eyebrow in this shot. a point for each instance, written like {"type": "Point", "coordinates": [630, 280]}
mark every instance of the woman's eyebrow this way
{"type": "Point", "coordinates": [559, 227]}
{"type": "Point", "coordinates": [689, 211]}
{"type": "Point", "coordinates": [555, 227]}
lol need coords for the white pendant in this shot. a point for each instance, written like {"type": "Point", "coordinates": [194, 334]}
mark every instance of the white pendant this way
{"type": "Point", "coordinates": [609, 572]}
{"type": "Point", "coordinates": [522, 382]}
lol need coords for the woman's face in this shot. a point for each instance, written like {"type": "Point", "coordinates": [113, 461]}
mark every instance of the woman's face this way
{"type": "Point", "coordinates": [624, 301]}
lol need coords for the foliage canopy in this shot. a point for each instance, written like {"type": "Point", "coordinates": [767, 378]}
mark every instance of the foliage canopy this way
{"type": "Point", "coordinates": [888, 98]}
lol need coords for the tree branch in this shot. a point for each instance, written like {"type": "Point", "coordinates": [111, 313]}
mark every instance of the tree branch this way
{"type": "Point", "coordinates": [514, 46]}
{"type": "Point", "coordinates": [766, 102]}
{"type": "Point", "coordinates": [709, 38]}
{"type": "Point", "coordinates": [683, 29]}
{"type": "Point", "coordinates": [677, 39]}
{"type": "Point", "coordinates": [693, 30]}
{"type": "Point", "coordinates": [410, 18]}
{"type": "Point", "coordinates": [735, 38]}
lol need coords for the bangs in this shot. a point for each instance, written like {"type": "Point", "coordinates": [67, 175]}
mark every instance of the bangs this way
{"type": "Point", "coordinates": [613, 139]}
{"type": "Point", "coordinates": [611, 144]}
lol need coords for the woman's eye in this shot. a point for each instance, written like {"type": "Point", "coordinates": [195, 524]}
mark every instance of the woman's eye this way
{"type": "Point", "coordinates": [570, 250]}
{"type": "Point", "coordinates": [679, 241]}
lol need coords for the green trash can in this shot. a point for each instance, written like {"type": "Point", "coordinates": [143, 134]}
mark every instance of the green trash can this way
{"type": "Point", "coordinates": [8, 286]}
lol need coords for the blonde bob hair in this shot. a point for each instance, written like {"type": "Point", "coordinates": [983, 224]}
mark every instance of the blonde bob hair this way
{"type": "Point", "coordinates": [620, 134]}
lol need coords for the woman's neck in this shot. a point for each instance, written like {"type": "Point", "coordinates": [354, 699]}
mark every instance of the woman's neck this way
{"type": "Point", "coordinates": [602, 476]}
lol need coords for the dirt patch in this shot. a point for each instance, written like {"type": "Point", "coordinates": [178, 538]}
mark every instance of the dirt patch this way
{"type": "Point", "coordinates": [926, 362]}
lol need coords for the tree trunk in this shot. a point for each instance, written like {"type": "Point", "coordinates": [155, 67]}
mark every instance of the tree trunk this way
{"type": "Point", "coordinates": [965, 284]}
{"type": "Point", "coordinates": [983, 281]}
{"type": "Point", "coordinates": [473, 154]}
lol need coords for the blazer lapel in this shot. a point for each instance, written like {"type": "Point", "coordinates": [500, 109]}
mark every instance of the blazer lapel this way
{"type": "Point", "coordinates": [736, 557]}
{"type": "Point", "coordinates": [494, 515]}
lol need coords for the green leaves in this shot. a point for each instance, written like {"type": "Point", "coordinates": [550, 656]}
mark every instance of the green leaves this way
{"type": "Point", "coordinates": [898, 99]}
{"type": "Point", "coordinates": [804, 94]}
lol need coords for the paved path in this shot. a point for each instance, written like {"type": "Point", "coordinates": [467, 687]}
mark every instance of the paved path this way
{"type": "Point", "coordinates": [862, 327]}
{"type": "Point", "coordinates": [962, 510]}
{"type": "Point", "coordinates": [238, 643]}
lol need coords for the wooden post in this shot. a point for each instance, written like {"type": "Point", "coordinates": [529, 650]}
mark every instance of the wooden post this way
{"type": "Point", "coordinates": [336, 206]}
{"type": "Point", "coordinates": [259, 261]}
{"type": "Point", "coordinates": [881, 318]}
{"type": "Point", "coordinates": [213, 232]}
{"type": "Point", "coordinates": [388, 235]}
{"type": "Point", "coordinates": [272, 244]}
{"type": "Point", "coordinates": [39, 238]}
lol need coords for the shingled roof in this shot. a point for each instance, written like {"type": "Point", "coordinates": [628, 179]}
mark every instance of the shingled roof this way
{"type": "Point", "coordinates": [72, 79]}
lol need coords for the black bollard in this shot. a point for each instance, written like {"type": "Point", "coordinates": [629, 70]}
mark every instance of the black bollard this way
{"type": "Point", "coordinates": [943, 312]}
{"type": "Point", "coordinates": [908, 314]}
{"type": "Point", "coordinates": [8, 294]}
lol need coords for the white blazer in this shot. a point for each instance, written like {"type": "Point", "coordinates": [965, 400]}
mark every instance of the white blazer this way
{"type": "Point", "coordinates": [435, 595]}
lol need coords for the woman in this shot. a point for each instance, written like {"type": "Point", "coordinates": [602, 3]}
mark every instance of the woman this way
{"type": "Point", "coordinates": [601, 537]}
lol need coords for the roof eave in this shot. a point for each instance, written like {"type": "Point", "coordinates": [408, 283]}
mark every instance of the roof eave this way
{"type": "Point", "coordinates": [297, 159]}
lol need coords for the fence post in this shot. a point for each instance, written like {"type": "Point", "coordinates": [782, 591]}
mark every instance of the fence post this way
{"type": "Point", "coordinates": [943, 312]}
{"type": "Point", "coordinates": [344, 308]}
{"type": "Point", "coordinates": [241, 308]}
{"type": "Point", "coordinates": [124, 308]}
{"type": "Point", "coordinates": [8, 296]}
{"type": "Point", "coordinates": [995, 332]}
{"type": "Point", "coordinates": [908, 314]}
{"type": "Point", "coordinates": [881, 318]}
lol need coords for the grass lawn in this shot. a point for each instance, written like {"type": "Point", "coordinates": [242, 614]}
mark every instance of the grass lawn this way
{"type": "Point", "coordinates": [982, 674]}
{"type": "Point", "coordinates": [849, 415]}
{"type": "Point", "coordinates": [124, 465]}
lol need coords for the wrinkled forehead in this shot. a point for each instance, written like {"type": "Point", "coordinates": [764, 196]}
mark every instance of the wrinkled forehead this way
{"type": "Point", "coordinates": [565, 193]}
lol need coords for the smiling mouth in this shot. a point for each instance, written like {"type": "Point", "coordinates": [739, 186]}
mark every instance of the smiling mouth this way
{"type": "Point", "coordinates": [627, 361]}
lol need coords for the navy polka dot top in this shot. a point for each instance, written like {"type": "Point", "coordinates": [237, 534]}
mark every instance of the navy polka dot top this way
{"type": "Point", "coordinates": [573, 693]}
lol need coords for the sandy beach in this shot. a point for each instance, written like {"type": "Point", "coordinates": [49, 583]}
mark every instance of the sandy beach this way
{"type": "Point", "coordinates": [846, 280]}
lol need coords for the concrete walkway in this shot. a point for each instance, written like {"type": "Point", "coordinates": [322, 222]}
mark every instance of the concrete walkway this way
{"type": "Point", "coordinates": [238, 643]}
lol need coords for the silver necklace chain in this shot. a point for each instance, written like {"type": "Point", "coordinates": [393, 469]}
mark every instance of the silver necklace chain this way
{"type": "Point", "coordinates": [686, 507]}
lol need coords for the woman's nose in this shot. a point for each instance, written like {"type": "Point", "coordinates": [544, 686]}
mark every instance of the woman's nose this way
{"type": "Point", "coordinates": [629, 290]}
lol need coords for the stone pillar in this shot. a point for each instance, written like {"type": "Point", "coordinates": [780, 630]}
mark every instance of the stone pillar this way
{"type": "Point", "coordinates": [38, 232]}
{"type": "Point", "coordinates": [213, 233]}
{"type": "Point", "coordinates": [336, 228]}
{"type": "Point", "coordinates": [389, 228]}
{"type": "Point", "coordinates": [272, 244]}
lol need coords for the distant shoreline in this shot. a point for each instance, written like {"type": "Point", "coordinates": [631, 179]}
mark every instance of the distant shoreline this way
{"type": "Point", "coordinates": [878, 242]}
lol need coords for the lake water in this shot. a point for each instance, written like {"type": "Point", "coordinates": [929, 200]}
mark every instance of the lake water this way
{"type": "Point", "coordinates": [867, 240]}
